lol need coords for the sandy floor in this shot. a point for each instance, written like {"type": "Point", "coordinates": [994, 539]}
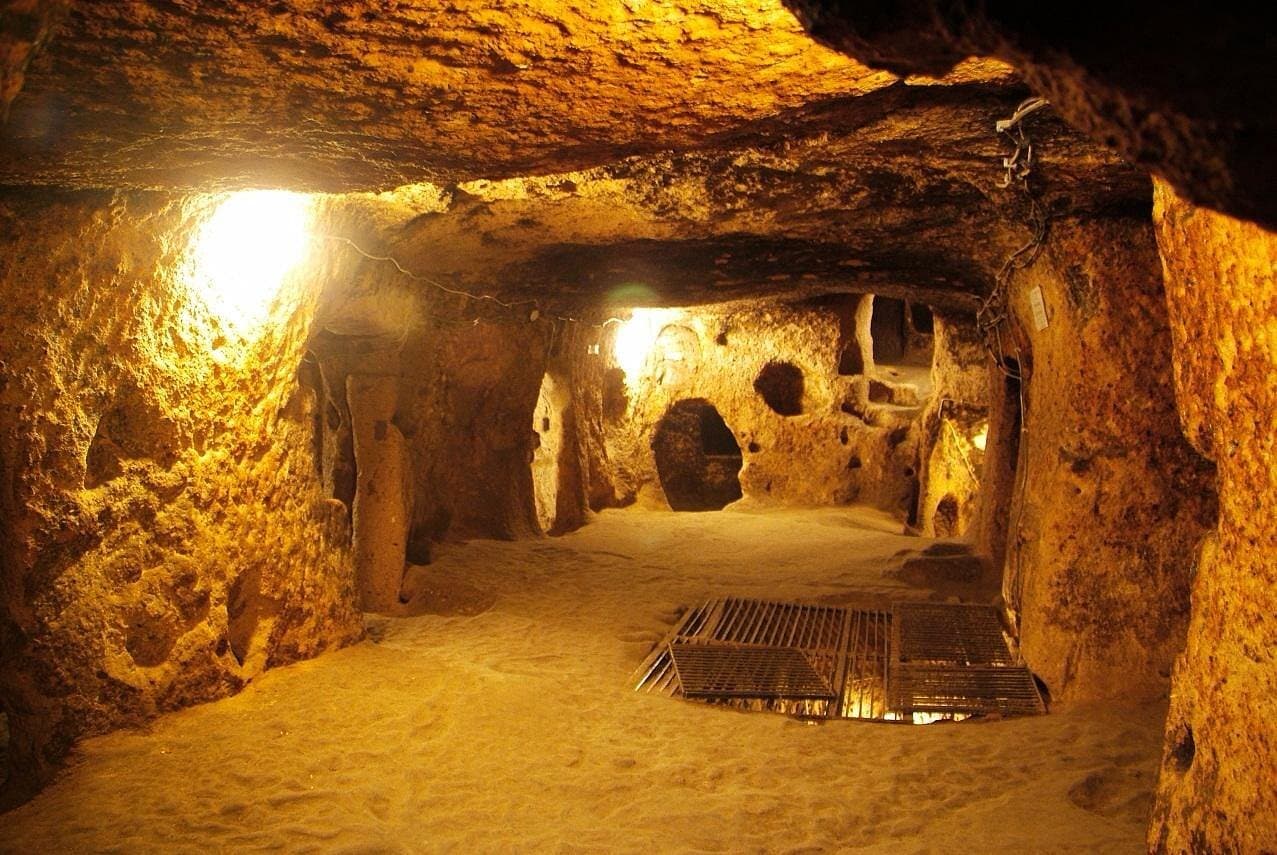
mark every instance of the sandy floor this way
{"type": "Point", "coordinates": [515, 729]}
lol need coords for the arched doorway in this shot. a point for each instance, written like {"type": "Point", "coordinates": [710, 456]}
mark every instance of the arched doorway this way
{"type": "Point", "coordinates": [697, 457]}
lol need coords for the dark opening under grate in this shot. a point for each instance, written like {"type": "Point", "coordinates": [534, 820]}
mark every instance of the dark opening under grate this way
{"type": "Point", "coordinates": [919, 659]}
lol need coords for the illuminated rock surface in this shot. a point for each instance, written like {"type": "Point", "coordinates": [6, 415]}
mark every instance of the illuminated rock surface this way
{"type": "Point", "coordinates": [358, 95]}
{"type": "Point", "coordinates": [1215, 791]}
{"type": "Point", "coordinates": [165, 537]}
{"type": "Point", "coordinates": [180, 462]}
{"type": "Point", "coordinates": [1202, 123]}
{"type": "Point", "coordinates": [1101, 541]}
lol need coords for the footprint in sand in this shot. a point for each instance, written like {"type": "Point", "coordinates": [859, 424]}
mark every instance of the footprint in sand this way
{"type": "Point", "coordinates": [1116, 793]}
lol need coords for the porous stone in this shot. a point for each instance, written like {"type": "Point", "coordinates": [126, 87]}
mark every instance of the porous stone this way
{"type": "Point", "coordinates": [825, 209]}
{"type": "Point", "coordinates": [175, 501]}
{"type": "Point", "coordinates": [365, 95]}
{"type": "Point", "coordinates": [25, 27]}
{"type": "Point", "coordinates": [382, 495]}
{"type": "Point", "coordinates": [1178, 90]}
{"type": "Point", "coordinates": [164, 535]}
{"type": "Point", "coordinates": [810, 451]}
{"type": "Point", "coordinates": [1219, 771]}
{"type": "Point", "coordinates": [1111, 500]}
{"type": "Point", "coordinates": [951, 464]}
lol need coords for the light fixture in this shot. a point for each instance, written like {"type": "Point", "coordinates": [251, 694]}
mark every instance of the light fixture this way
{"type": "Point", "coordinates": [981, 437]}
{"type": "Point", "coordinates": [242, 252]}
{"type": "Point", "coordinates": [635, 337]}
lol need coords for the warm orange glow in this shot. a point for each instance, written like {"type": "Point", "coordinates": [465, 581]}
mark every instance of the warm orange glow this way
{"type": "Point", "coordinates": [635, 338]}
{"type": "Point", "coordinates": [981, 437]}
{"type": "Point", "coordinates": [242, 253]}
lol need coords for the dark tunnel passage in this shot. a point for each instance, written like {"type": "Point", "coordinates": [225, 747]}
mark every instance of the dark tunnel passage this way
{"type": "Point", "coordinates": [697, 457]}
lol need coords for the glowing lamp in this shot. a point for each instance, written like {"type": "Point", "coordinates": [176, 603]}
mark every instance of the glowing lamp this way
{"type": "Point", "coordinates": [635, 337]}
{"type": "Point", "coordinates": [243, 251]}
{"type": "Point", "coordinates": [981, 437]}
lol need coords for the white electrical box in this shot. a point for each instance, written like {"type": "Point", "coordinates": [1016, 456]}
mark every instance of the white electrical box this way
{"type": "Point", "coordinates": [1038, 305]}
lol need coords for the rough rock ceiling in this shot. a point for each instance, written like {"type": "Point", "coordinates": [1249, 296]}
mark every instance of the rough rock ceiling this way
{"type": "Point", "coordinates": [359, 95]}
{"type": "Point", "coordinates": [1185, 90]}
{"type": "Point", "coordinates": [688, 150]}
{"type": "Point", "coordinates": [906, 202]}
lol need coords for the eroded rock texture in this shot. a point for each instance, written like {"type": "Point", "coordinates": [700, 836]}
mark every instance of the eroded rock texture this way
{"type": "Point", "coordinates": [955, 424]}
{"type": "Point", "coordinates": [359, 95]}
{"type": "Point", "coordinates": [1216, 790]}
{"type": "Point", "coordinates": [176, 502]}
{"type": "Point", "coordinates": [1111, 500]}
{"type": "Point", "coordinates": [1180, 90]}
{"type": "Point", "coordinates": [25, 27]}
{"type": "Point", "coordinates": [382, 509]}
{"type": "Point", "coordinates": [470, 427]}
{"type": "Point", "coordinates": [437, 394]}
{"type": "Point", "coordinates": [908, 204]}
{"type": "Point", "coordinates": [794, 429]}
{"type": "Point", "coordinates": [165, 537]}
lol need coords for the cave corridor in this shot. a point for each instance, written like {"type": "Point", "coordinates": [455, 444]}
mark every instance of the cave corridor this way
{"type": "Point", "coordinates": [383, 383]}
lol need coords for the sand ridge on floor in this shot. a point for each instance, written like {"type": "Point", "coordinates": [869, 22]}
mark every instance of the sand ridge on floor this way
{"type": "Point", "coordinates": [516, 729]}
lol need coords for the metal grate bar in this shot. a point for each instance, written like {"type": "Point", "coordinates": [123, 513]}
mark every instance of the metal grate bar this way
{"type": "Point", "coordinates": [866, 674]}
{"type": "Point", "coordinates": [966, 689]}
{"type": "Point", "coordinates": [941, 659]}
{"type": "Point", "coordinates": [737, 671]}
{"type": "Point", "coordinates": [655, 673]}
{"type": "Point", "coordinates": [950, 633]}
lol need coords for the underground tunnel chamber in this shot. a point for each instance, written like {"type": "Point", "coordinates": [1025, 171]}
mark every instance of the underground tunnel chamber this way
{"type": "Point", "coordinates": [1101, 251]}
{"type": "Point", "coordinates": [773, 369]}
{"type": "Point", "coordinates": [889, 440]}
{"type": "Point", "coordinates": [710, 439]}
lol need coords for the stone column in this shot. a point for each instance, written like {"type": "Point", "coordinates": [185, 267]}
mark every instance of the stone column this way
{"type": "Point", "coordinates": [381, 512]}
{"type": "Point", "coordinates": [864, 333]}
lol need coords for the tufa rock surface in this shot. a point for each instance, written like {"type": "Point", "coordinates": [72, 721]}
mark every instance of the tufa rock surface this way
{"type": "Point", "coordinates": [25, 28]}
{"type": "Point", "coordinates": [1218, 781]}
{"type": "Point", "coordinates": [1111, 499]}
{"type": "Point", "coordinates": [371, 95]}
{"type": "Point", "coordinates": [907, 205]}
{"type": "Point", "coordinates": [1181, 90]}
{"type": "Point", "coordinates": [164, 536]}
{"type": "Point", "coordinates": [800, 432]}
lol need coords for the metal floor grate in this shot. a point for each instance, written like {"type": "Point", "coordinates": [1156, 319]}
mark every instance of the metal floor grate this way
{"type": "Point", "coordinates": [864, 693]}
{"type": "Point", "coordinates": [738, 671]}
{"type": "Point", "coordinates": [954, 633]}
{"type": "Point", "coordinates": [918, 659]}
{"type": "Point", "coordinates": [972, 689]}
{"type": "Point", "coordinates": [741, 621]}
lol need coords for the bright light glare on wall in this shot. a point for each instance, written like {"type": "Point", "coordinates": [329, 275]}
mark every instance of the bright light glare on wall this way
{"type": "Point", "coordinates": [981, 437]}
{"type": "Point", "coordinates": [635, 337]}
{"type": "Point", "coordinates": [244, 250]}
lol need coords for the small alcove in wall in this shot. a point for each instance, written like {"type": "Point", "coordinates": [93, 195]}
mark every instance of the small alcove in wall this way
{"type": "Point", "coordinates": [780, 384]}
